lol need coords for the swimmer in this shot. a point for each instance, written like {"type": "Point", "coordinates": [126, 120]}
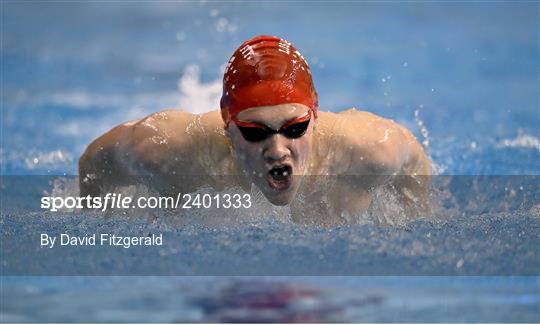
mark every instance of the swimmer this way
{"type": "Point", "coordinates": [270, 133]}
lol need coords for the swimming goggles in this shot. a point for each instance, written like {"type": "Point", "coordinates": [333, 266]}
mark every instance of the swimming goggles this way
{"type": "Point", "coordinates": [256, 132]}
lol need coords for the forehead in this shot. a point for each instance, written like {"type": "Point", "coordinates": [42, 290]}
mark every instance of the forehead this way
{"type": "Point", "coordinates": [273, 116]}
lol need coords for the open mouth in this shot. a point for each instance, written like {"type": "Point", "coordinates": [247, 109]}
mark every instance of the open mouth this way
{"type": "Point", "coordinates": [279, 177]}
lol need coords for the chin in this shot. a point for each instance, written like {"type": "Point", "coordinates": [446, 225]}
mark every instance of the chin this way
{"type": "Point", "coordinates": [280, 198]}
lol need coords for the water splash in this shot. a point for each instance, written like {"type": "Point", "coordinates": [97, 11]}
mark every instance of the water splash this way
{"type": "Point", "coordinates": [436, 168]}
{"type": "Point", "coordinates": [422, 127]}
{"type": "Point", "coordinates": [522, 140]}
{"type": "Point", "coordinates": [64, 187]}
{"type": "Point", "coordinates": [197, 97]}
{"type": "Point", "coordinates": [53, 159]}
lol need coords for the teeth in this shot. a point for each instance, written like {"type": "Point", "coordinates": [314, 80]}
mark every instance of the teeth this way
{"type": "Point", "coordinates": [279, 171]}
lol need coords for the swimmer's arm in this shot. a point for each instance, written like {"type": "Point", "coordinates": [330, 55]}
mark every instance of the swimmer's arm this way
{"type": "Point", "coordinates": [122, 157]}
{"type": "Point", "coordinates": [153, 151]}
{"type": "Point", "coordinates": [414, 176]}
{"type": "Point", "coordinates": [100, 170]}
{"type": "Point", "coordinates": [381, 147]}
{"type": "Point", "coordinates": [388, 154]}
{"type": "Point", "coordinates": [411, 171]}
{"type": "Point", "coordinates": [400, 153]}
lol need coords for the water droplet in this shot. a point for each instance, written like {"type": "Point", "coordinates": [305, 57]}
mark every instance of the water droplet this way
{"type": "Point", "coordinates": [221, 25]}
{"type": "Point", "coordinates": [180, 36]}
{"type": "Point", "coordinates": [460, 263]}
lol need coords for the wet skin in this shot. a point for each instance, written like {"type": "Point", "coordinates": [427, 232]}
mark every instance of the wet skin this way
{"type": "Point", "coordinates": [175, 151]}
{"type": "Point", "coordinates": [265, 162]}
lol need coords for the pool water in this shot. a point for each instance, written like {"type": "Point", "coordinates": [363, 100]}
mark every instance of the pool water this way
{"type": "Point", "coordinates": [463, 77]}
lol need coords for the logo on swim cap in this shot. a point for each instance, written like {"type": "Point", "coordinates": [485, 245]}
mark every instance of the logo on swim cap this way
{"type": "Point", "coordinates": [266, 71]}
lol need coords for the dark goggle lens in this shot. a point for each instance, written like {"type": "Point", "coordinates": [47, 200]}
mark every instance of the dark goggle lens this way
{"type": "Point", "coordinates": [295, 130]}
{"type": "Point", "coordinates": [256, 134]}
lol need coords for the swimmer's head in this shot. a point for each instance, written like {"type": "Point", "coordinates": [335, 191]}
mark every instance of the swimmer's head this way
{"type": "Point", "coordinates": [266, 71]}
{"type": "Point", "coordinates": [269, 106]}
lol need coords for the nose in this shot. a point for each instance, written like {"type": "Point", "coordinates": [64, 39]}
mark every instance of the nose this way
{"type": "Point", "coordinates": [276, 149]}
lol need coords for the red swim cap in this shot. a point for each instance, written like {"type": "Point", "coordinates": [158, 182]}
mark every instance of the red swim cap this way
{"type": "Point", "coordinates": [266, 71]}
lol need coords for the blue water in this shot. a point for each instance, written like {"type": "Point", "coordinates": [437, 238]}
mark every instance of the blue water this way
{"type": "Point", "coordinates": [71, 71]}
{"type": "Point", "coordinates": [195, 299]}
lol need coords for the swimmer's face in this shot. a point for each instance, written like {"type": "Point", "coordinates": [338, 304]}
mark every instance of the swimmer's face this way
{"type": "Point", "coordinates": [274, 161]}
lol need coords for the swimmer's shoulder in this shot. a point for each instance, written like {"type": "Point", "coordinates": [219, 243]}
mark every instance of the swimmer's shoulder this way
{"type": "Point", "coordinates": [187, 136]}
{"type": "Point", "coordinates": [171, 120]}
{"type": "Point", "coordinates": [354, 124]}
{"type": "Point", "coordinates": [150, 135]}
{"type": "Point", "coordinates": [352, 115]}
{"type": "Point", "coordinates": [161, 122]}
{"type": "Point", "coordinates": [376, 144]}
{"type": "Point", "coordinates": [173, 125]}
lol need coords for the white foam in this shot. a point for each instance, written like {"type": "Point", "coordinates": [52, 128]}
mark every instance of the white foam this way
{"type": "Point", "coordinates": [195, 96]}
{"type": "Point", "coordinates": [438, 169]}
{"type": "Point", "coordinates": [422, 127]}
{"type": "Point", "coordinates": [48, 159]}
{"type": "Point", "coordinates": [192, 95]}
{"type": "Point", "coordinates": [223, 25]}
{"type": "Point", "coordinates": [522, 140]}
